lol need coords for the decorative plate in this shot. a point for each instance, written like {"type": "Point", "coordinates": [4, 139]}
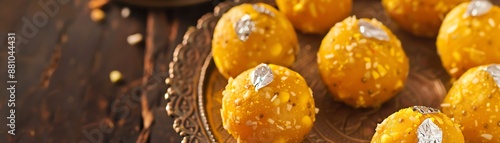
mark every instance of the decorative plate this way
{"type": "Point", "coordinates": [195, 85]}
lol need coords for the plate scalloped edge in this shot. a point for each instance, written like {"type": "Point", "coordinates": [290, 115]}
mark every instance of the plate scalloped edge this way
{"type": "Point", "coordinates": [188, 59]}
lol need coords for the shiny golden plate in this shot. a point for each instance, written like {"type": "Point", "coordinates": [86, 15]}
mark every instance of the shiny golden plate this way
{"type": "Point", "coordinates": [195, 85]}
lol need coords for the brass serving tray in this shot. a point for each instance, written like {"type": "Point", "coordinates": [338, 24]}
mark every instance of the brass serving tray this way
{"type": "Point", "coordinates": [195, 85]}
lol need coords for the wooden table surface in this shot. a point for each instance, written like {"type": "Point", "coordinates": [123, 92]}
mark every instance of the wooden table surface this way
{"type": "Point", "coordinates": [64, 93]}
{"type": "Point", "coordinates": [63, 62]}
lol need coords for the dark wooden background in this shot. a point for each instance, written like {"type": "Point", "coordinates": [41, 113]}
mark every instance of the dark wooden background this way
{"type": "Point", "coordinates": [64, 94]}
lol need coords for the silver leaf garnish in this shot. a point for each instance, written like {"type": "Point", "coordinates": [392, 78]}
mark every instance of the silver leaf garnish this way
{"type": "Point", "coordinates": [425, 110]}
{"type": "Point", "coordinates": [478, 8]}
{"type": "Point", "coordinates": [371, 31]}
{"type": "Point", "coordinates": [428, 132]}
{"type": "Point", "coordinates": [244, 27]}
{"type": "Point", "coordinates": [262, 9]}
{"type": "Point", "coordinates": [261, 76]}
{"type": "Point", "coordinates": [494, 71]}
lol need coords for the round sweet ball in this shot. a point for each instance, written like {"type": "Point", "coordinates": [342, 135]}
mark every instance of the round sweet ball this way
{"type": "Point", "coordinates": [315, 16]}
{"type": "Point", "coordinates": [469, 37]}
{"type": "Point", "coordinates": [362, 63]}
{"type": "Point", "coordinates": [268, 103]}
{"type": "Point", "coordinates": [420, 17]}
{"type": "Point", "coordinates": [474, 102]}
{"type": "Point", "coordinates": [418, 124]}
{"type": "Point", "coordinates": [250, 34]}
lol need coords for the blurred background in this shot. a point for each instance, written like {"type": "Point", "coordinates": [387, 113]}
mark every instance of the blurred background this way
{"type": "Point", "coordinates": [65, 52]}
